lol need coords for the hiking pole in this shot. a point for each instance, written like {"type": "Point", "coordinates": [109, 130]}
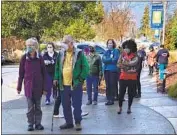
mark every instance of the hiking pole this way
{"type": "Point", "coordinates": [55, 96]}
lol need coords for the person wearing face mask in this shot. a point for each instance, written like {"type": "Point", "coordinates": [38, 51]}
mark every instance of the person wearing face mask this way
{"type": "Point", "coordinates": [95, 74]}
{"type": "Point", "coordinates": [162, 60]}
{"type": "Point", "coordinates": [71, 70]}
{"type": "Point", "coordinates": [151, 58]}
{"type": "Point", "coordinates": [49, 60]}
{"type": "Point", "coordinates": [128, 63]}
{"type": "Point", "coordinates": [110, 59]}
{"type": "Point", "coordinates": [32, 71]}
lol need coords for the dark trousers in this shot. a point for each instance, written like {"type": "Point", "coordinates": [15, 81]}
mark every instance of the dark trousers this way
{"type": "Point", "coordinates": [92, 81]}
{"type": "Point", "coordinates": [57, 97]}
{"type": "Point", "coordinates": [57, 105]}
{"type": "Point", "coordinates": [131, 85]}
{"type": "Point", "coordinates": [111, 85]}
{"type": "Point", "coordinates": [34, 113]}
{"type": "Point", "coordinates": [117, 90]}
{"type": "Point", "coordinates": [76, 95]}
{"type": "Point", "coordinates": [151, 69]}
{"type": "Point", "coordinates": [49, 86]}
{"type": "Point", "coordinates": [138, 91]}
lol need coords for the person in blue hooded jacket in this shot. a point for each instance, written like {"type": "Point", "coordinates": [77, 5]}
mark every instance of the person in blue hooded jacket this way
{"type": "Point", "coordinates": [110, 59]}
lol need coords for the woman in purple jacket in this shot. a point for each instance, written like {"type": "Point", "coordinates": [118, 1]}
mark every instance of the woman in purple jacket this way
{"type": "Point", "coordinates": [49, 60]}
{"type": "Point", "coordinates": [32, 70]}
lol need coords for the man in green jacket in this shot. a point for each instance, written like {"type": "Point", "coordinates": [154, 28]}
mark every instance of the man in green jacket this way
{"type": "Point", "coordinates": [95, 74]}
{"type": "Point", "coordinates": [71, 70]}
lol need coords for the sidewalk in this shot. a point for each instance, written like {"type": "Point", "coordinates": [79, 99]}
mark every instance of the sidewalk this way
{"type": "Point", "coordinates": [101, 119]}
{"type": "Point", "coordinates": [160, 103]}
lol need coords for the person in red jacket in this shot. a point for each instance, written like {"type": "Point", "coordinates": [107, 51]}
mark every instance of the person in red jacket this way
{"type": "Point", "coordinates": [128, 64]}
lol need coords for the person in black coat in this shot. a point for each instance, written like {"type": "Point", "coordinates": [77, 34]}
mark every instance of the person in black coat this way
{"type": "Point", "coordinates": [49, 60]}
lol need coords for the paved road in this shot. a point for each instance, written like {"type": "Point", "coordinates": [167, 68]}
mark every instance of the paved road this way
{"type": "Point", "coordinates": [152, 114]}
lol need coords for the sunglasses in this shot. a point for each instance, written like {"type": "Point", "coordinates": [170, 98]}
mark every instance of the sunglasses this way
{"type": "Point", "coordinates": [49, 47]}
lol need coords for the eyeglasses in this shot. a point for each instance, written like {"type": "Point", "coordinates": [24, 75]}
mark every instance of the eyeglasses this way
{"type": "Point", "coordinates": [49, 47]}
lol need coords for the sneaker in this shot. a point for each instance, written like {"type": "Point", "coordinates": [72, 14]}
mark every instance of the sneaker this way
{"type": "Point", "coordinates": [78, 127]}
{"type": "Point", "coordinates": [89, 103]}
{"type": "Point", "coordinates": [129, 111]}
{"type": "Point", "coordinates": [30, 128]}
{"type": "Point", "coordinates": [120, 110]}
{"type": "Point", "coordinates": [39, 127]}
{"type": "Point", "coordinates": [94, 102]}
{"type": "Point", "coordinates": [138, 96]}
{"type": "Point", "coordinates": [66, 126]}
{"type": "Point", "coordinates": [47, 103]}
{"type": "Point", "coordinates": [109, 103]}
{"type": "Point", "coordinates": [56, 116]}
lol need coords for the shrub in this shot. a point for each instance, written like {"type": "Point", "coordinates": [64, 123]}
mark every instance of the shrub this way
{"type": "Point", "coordinates": [42, 47]}
{"type": "Point", "coordinates": [172, 90]}
{"type": "Point", "coordinates": [173, 57]}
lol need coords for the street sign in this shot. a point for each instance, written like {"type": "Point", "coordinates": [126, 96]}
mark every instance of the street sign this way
{"type": "Point", "coordinates": [157, 33]}
{"type": "Point", "coordinates": [157, 16]}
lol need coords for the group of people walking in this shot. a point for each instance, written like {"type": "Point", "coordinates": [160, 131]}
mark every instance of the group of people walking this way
{"type": "Point", "coordinates": [66, 71]}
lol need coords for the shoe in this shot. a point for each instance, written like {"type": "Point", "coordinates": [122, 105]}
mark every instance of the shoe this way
{"type": "Point", "coordinates": [94, 102]}
{"type": "Point", "coordinates": [138, 96]}
{"type": "Point", "coordinates": [66, 126]}
{"type": "Point", "coordinates": [47, 103]}
{"type": "Point", "coordinates": [39, 127]}
{"type": "Point", "coordinates": [30, 128]}
{"type": "Point", "coordinates": [89, 103]}
{"type": "Point", "coordinates": [116, 99]}
{"type": "Point", "coordinates": [129, 111]}
{"type": "Point", "coordinates": [56, 116]}
{"type": "Point", "coordinates": [120, 111]}
{"type": "Point", "coordinates": [109, 103]}
{"type": "Point", "coordinates": [78, 127]}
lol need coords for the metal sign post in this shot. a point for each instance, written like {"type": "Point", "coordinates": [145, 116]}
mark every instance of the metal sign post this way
{"type": "Point", "coordinates": [164, 22]}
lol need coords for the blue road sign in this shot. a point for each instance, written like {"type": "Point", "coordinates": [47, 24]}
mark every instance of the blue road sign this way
{"type": "Point", "coordinates": [157, 16]}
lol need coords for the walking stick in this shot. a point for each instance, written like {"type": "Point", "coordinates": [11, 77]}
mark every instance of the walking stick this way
{"type": "Point", "coordinates": [55, 94]}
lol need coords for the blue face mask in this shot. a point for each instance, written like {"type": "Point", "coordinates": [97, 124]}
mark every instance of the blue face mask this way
{"type": "Point", "coordinates": [110, 46]}
{"type": "Point", "coordinates": [29, 49]}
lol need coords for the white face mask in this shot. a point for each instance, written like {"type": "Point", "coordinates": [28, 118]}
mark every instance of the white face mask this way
{"type": "Point", "coordinates": [127, 50]}
{"type": "Point", "coordinates": [50, 50]}
{"type": "Point", "coordinates": [65, 46]}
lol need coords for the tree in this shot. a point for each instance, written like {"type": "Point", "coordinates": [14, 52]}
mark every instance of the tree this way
{"type": "Point", "coordinates": [145, 25]}
{"type": "Point", "coordinates": [79, 29]}
{"type": "Point", "coordinates": [116, 23]}
{"type": "Point", "coordinates": [171, 33]}
{"type": "Point", "coordinates": [46, 18]}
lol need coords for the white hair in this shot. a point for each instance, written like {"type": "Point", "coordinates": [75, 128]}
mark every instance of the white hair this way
{"type": "Point", "coordinates": [92, 44]}
{"type": "Point", "coordinates": [68, 38]}
{"type": "Point", "coordinates": [32, 41]}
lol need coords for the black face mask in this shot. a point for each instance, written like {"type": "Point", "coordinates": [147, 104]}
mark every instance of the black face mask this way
{"type": "Point", "coordinates": [92, 50]}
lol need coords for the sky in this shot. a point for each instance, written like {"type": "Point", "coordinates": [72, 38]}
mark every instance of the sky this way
{"type": "Point", "coordinates": [138, 9]}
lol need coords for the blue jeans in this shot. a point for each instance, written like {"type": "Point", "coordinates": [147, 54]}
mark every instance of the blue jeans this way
{"type": "Point", "coordinates": [49, 87]}
{"type": "Point", "coordinates": [92, 81]}
{"type": "Point", "coordinates": [76, 96]}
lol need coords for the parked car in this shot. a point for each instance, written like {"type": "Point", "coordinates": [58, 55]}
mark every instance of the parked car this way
{"type": "Point", "coordinates": [100, 49]}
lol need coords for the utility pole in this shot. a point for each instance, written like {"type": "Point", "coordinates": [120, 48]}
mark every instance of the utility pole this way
{"type": "Point", "coordinates": [164, 20]}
